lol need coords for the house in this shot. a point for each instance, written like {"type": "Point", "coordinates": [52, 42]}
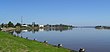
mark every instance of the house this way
{"type": "Point", "coordinates": [41, 26]}
{"type": "Point", "coordinates": [24, 25]}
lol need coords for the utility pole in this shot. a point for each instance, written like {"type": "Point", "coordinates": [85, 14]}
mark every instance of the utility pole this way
{"type": "Point", "coordinates": [21, 20]}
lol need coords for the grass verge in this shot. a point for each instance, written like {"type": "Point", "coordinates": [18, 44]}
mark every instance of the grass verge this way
{"type": "Point", "coordinates": [9, 43]}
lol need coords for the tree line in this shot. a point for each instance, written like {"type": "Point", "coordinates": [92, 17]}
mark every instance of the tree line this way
{"type": "Point", "coordinates": [10, 24]}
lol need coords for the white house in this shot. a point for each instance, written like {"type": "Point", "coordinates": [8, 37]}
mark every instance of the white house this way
{"type": "Point", "coordinates": [24, 25]}
{"type": "Point", "coordinates": [41, 26]}
{"type": "Point", "coordinates": [41, 29]}
{"type": "Point", "coordinates": [24, 30]}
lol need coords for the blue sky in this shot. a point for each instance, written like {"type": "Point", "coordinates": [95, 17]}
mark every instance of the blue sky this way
{"type": "Point", "coordinates": [74, 12]}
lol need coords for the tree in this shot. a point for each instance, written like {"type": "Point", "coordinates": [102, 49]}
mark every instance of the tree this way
{"type": "Point", "coordinates": [10, 24]}
{"type": "Point", "coordinates": [2, 25]}
{"type": "Point", "coordinates": [36, 25]}
{"type": "Point", "coordinates": [18, 24]}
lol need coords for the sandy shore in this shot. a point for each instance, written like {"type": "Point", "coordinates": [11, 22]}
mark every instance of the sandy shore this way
{"type": "Point", "coordinates": [8, 29]}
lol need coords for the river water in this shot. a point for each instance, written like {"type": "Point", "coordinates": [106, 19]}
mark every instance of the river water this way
{"type": "Point", "coordinates": [93, 40]}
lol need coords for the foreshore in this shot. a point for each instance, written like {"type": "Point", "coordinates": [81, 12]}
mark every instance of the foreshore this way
{"type": "Point", "coordinates": [16, 44]}
{"type": "Point", "coordinates": [8, 29]}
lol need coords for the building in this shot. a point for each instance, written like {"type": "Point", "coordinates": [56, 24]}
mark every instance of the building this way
{"type": "Point", "coordinates": [41, 26]}
{"type": "Point", "coordinates": [24, 25]}
{"type": "Point", "coordinates": [33, 24]}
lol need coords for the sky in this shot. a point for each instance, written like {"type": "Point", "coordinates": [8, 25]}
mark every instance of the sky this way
{"type": "Point", "coordinates": [73, 12]}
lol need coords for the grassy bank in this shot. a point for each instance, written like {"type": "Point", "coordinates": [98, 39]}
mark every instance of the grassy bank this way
{"type": "Point", "coordinates": [9, 43]}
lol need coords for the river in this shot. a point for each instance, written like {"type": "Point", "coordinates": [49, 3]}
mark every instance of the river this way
{"type": "Point", "coordinates": [91, 39]}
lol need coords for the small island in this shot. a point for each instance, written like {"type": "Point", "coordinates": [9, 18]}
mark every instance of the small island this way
{"type": "Point", "coordinates": [102, 27]}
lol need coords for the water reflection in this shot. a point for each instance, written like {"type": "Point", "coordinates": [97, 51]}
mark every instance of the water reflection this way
{"type": "Point", "coordinates": [102, 28]}
{"type": "Point", "coordinates": [18, 31]}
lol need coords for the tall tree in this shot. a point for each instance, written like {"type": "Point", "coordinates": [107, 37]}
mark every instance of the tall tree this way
{"type": "Point", "coordinates": [10, 24]}
{"type": "Point", "coordinates": [2, 25]}
{"type": "Point", "coordinates": [18, 24]}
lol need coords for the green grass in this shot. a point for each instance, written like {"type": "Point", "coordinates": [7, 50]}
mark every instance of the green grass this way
{"type": "Point", "coordinates": [9, 43]}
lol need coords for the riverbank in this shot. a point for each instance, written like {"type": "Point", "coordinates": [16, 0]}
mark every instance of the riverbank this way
{"type": "Point", "coordinates": [8, 29]}
{"type": "Point", "coordinates": [9, 43]}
